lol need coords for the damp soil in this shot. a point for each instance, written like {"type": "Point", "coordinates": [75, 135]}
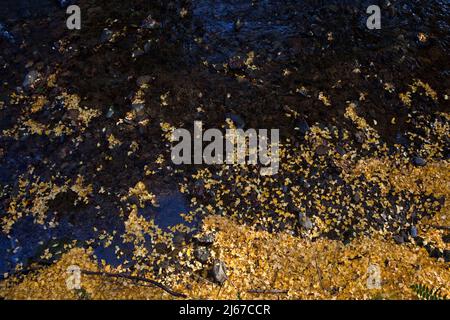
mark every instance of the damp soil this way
{"type": "Point", "coordinates": [201, 60]}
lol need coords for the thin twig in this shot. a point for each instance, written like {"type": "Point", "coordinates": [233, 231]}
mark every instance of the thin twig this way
{"type": "Point", "coordinates": [125, 276]}
{"type": "Point", "coordinates": [268, 291]}
{"type": "Point", "coordinates": [40, 265]}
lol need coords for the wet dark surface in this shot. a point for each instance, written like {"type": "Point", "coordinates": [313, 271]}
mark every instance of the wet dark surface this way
{"type": "Point", "coordinates": [283, 35]}
{"type": "Point", "coordinates": [22, 9]}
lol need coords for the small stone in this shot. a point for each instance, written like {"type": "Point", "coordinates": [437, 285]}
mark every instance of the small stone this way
{"type": "Point", "coordinates": [434, 252]}
{"type": "Point", "coordinates": [238, 25]}
{"type": "Point", "coordinates": [418, 161]}
{"type": "Point", "coordinates": [237, 120]}
{"type": "Point", "coordinates": [401, 139]}
{"type": "Point", "coordinates": [179, 239]}
{"type": "Point", "coordinates": [161, 248]}
{"type": "Point", "coordinates": [447, 255]}
{"type": "Point", "coordinates": [150, 23]}
{"type": "Point", "coordinates": [322, 150]}
{"type": "Point", "coordinates": [340, 150]}
{"type": "Point", "coordinates": [72, 115]}
{"type": "Point", "coordinates": [110, 112]}
{"type": "Point", "coordinates": [65, 3]}
{"type": "Point", "coordinates": [148, 46]}
{"type": "Point", "coordinates": [386, 3]}
{"type": "Point", "coordinates": [413, 232]}
{"type": "Point", "coordinates": [202, 254]}
{"type": "Point", "coordinates": [305, 222]}
{"type": "Point", "coordinates": [419, 240]}
{"type": "Point", "coordinates": [219, 272]}
{"type": "Point", "coordinates": [30, 79]}
{"type": "Point", "coordinates": [399, 239]}
{"type": "Point", "coordinates": [303, 91]}
{"type": "Point", "coordinates": [138, 107]}
{"type": "Point", "coordinates": [236, 63]}
{"type": "Point", "coordinates": [306, 184]}
{"type": "Point", "coordinates": [360, 137]}
{"type": "Point", "coordinates": [137, 53]}
{"type": "Point", "coordinates": [106, 35]}
{"type": "Point", "coordinates": [302, 126]}
{"type": "Point", "coordinates": [142, 80]}
{"type": "Point", "coordinates": [5, 34]}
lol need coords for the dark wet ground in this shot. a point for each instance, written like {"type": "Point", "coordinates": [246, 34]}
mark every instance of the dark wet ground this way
{"type": "Point", "coordinates": [211, 73]}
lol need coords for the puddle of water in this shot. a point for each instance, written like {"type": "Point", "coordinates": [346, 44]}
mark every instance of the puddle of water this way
{"type": "Point", "coordinates": [28, 240]}
{"type": "Point", "coordinates": [169, 210]}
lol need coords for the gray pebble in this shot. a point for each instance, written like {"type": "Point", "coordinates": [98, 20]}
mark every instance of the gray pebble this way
{"type": "Point", "coordinates": [219, 272]}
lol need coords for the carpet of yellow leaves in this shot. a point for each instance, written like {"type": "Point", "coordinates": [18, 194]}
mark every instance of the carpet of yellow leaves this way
{"type": "Point", "coordinates": [322, 269]}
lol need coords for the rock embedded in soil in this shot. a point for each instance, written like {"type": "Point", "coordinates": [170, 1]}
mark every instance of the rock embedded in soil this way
{"type": "Point", "coordinates": [219, 272]}
{"type": "Point", "coordinates": [413, 232]}
{"type": "Point", "coordinates": [179, 239]}
{"type": "Point", "coordinates": [237, 120]}
{"type": "Point", "coordinates": [305, 183]}
{"type": "Point", "coordinates": [340, 150]}
{"type": "Point", "coordinates": [302, 127]}
{"type": "Point", "coordinates": [305, 222]}
{"type": "Point", "coordinates": [110, 112]}
{"type": "Point", "coordinates": [150, 23]}
{"type": "Point", "coordinates": [360, 137]}
{"type": "Point", "coordinates": [399, 239]}
{"type": "Point", "coordinates": [30, 79]}
{"type": "Point", "coordinates": [5, 34]}
{"type": "Point", "coordinates": [202, 254]}
{"type": "Point", "coordinates": [106, 35]}
{"type": "Point", "coordinates": [162, 248]}
{"type": "Point", "coordinates": [66, 3]}
{"type": "Point", "coordinates": [401, 139]}
{"type": "Point", "coordinates": [138, 107]}
{"type": "Point", "coordinates": [446, 238]}
{"type": "Point", "coordinates": [419, 162]}
{"type": "Point", "coordinates": [137, 53]}
{"type": "Point", "coordinates": [236, 63]}
{"type": "Point", "coordinates": [322, 150]}
{"type": "Point", "coordinates": [143, 80]}
{"type": "Point", "coordinates": [148, 46]}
